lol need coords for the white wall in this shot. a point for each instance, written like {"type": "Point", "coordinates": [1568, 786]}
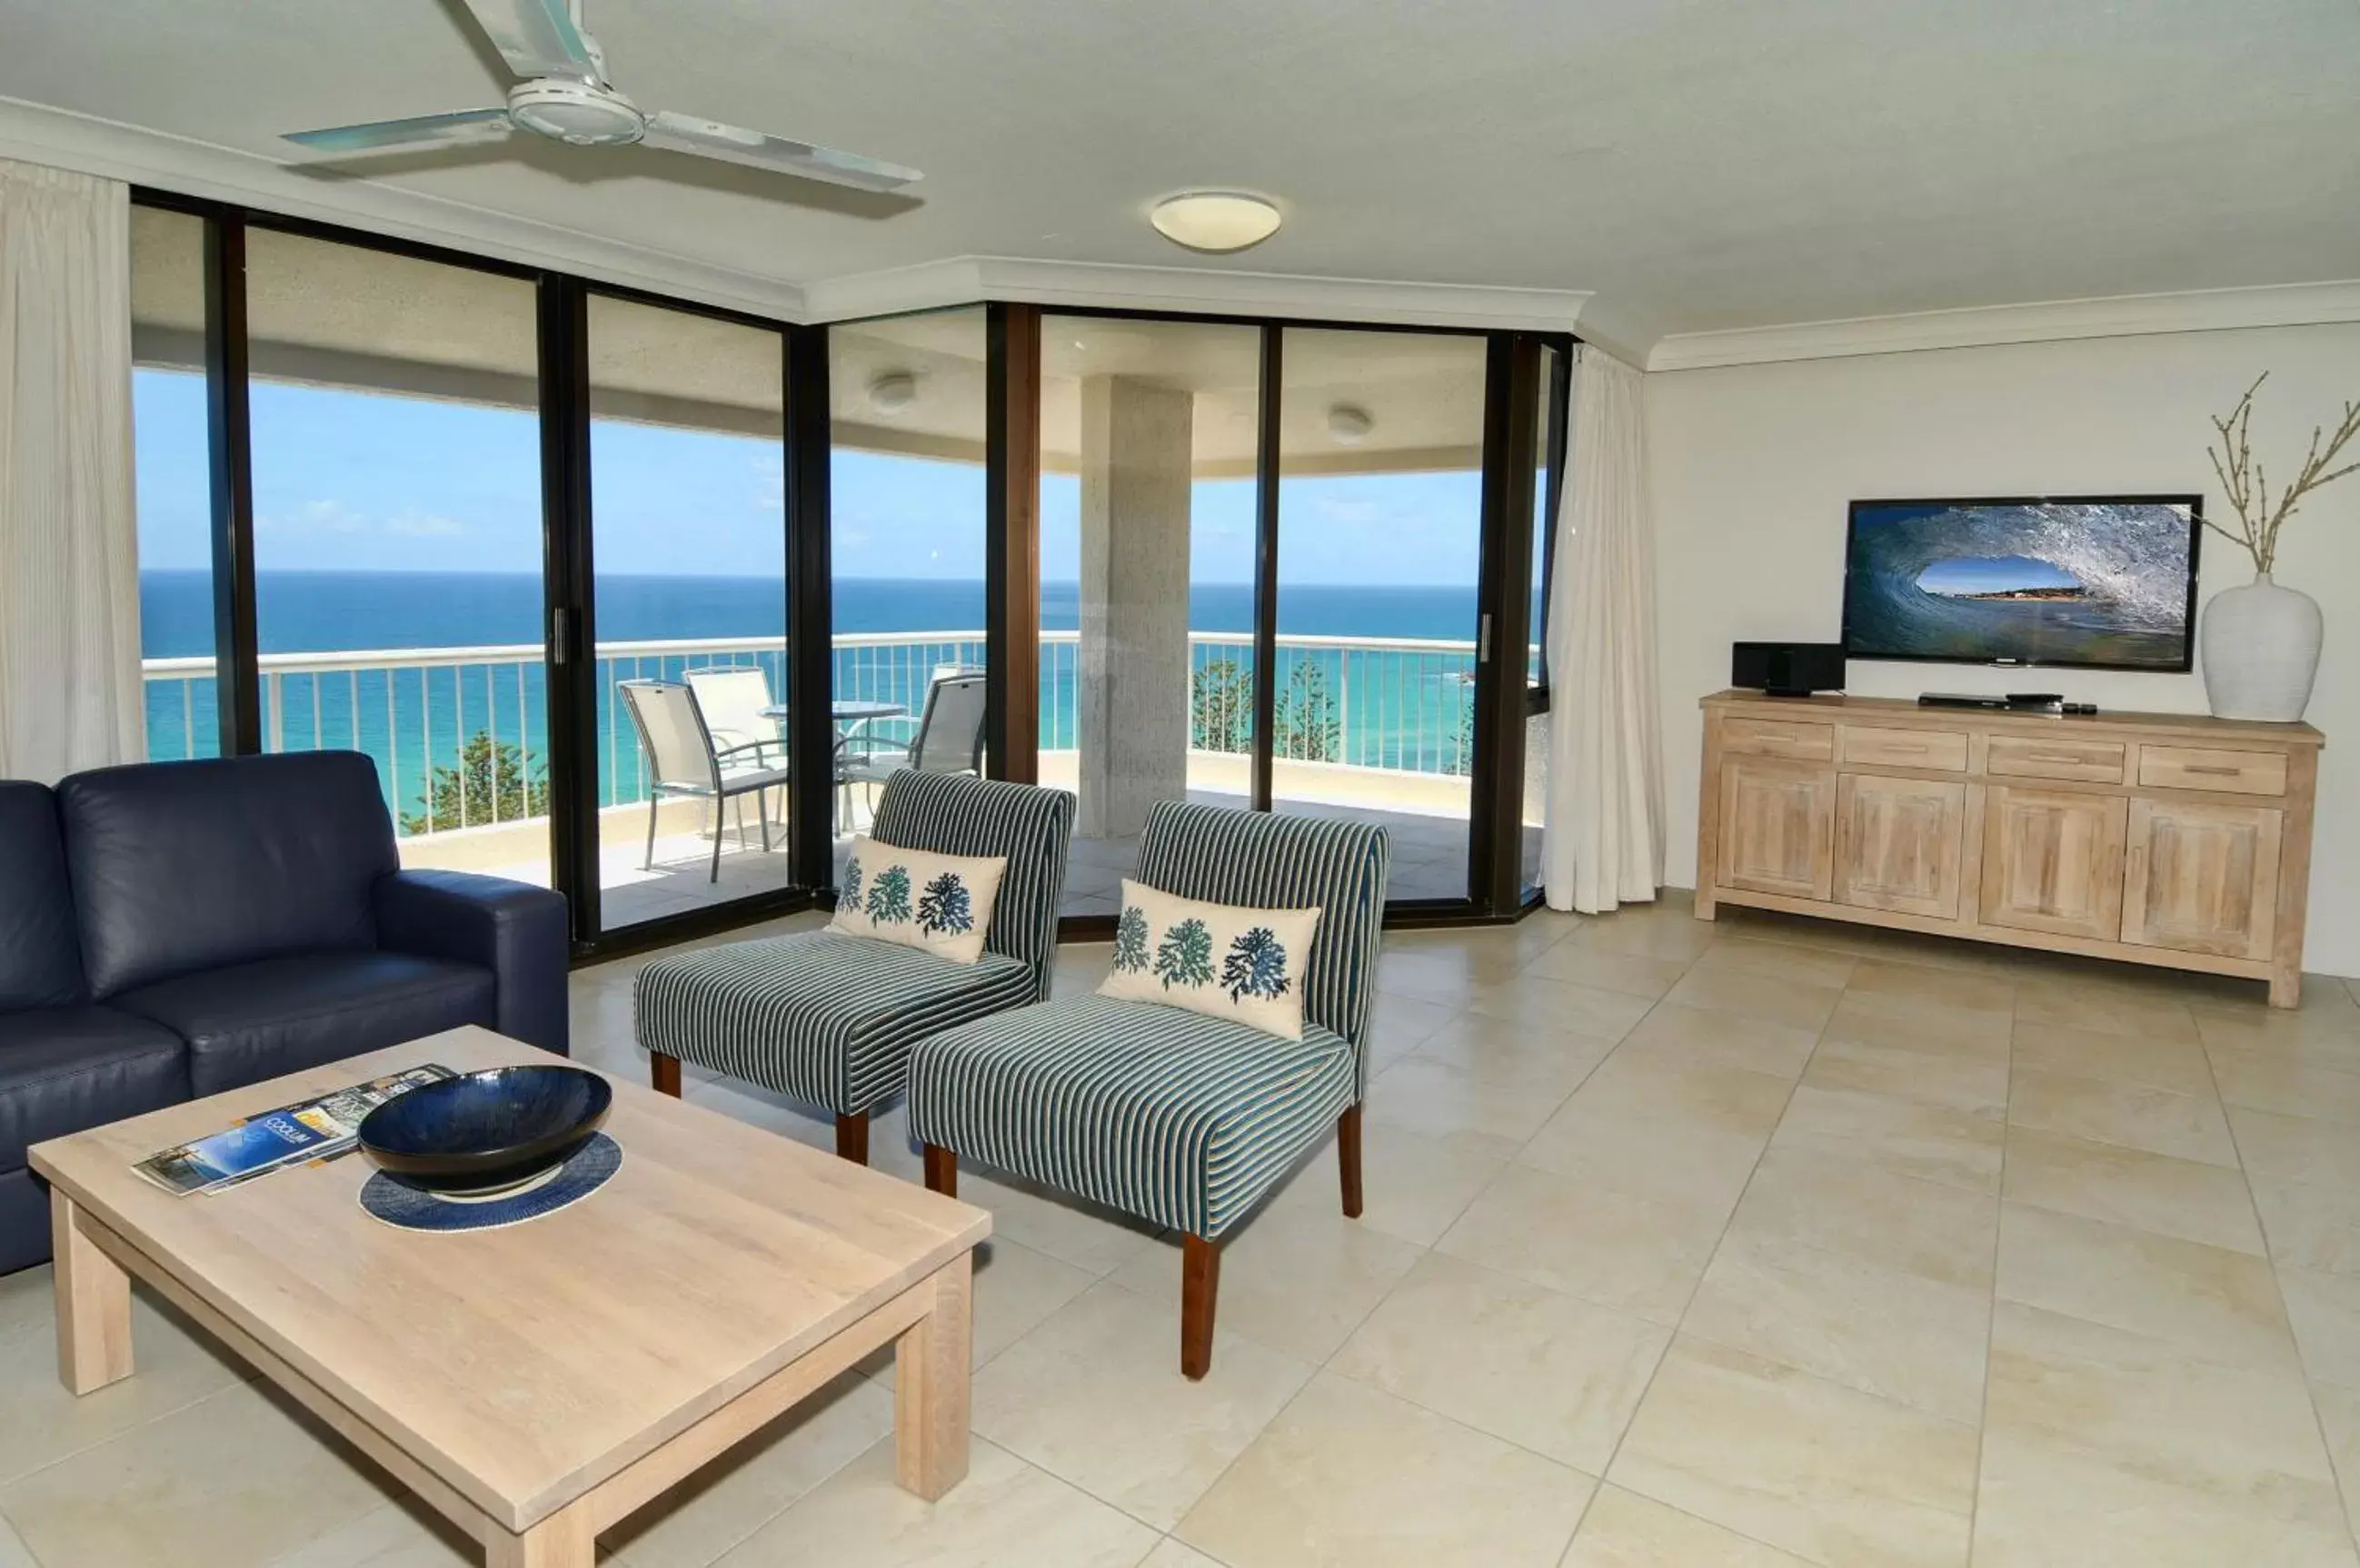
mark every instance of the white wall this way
{"type": "Point", "coordinates": [1753, 466]}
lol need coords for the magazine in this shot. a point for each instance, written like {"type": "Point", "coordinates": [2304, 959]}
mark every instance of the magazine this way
{"type": "Point", "coordinates": [292, 1135]}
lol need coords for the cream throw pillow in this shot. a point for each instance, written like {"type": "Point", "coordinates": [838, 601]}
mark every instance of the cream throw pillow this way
{"type": "Point", "coordinates": [937, 903]}
{"type": "Point", "coordinates": [1224, 960]}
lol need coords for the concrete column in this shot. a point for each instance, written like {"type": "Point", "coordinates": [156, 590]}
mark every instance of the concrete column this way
{"type": "Point", "coordinates": [1137, 447]}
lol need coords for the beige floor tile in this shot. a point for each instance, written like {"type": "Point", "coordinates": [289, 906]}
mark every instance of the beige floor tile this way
{"type": "Point", "coordinates": [1701, 1037]}
{"type": "Point", "coordinates": [2087, 1003]}
{"type": "Point", "coordinates": [14, 1553]}
{"type": "Point", "coordinates": [1772, 997]}
{"type": "Point", "coordinates": [404, 1533]}
{"type": "Point", "coordinates": [1094, 1396]}
{"type": "Point", "coordinates": [1682, 938]}
{"type": "Point", "coordinates": [1779, 959]}
{"type": "Point", "coordinates": [1297, 1280]}
{"type": "Point", "coordinates": [1091, 1239]}
{"type": "Point", "coordinates": [178, 1365]}
{"type": "Point", "coordinates": [1920, 985]}
{"type": "Point", "coordinates": [1414, 1184]}
{"type": "Point", "coordinates": [232, 1480]}
{"type": "Point", "coordinates": [1888, 1018]}
{"type": "Point", "coordinates": [1352, 1477]}
{"type": "Point", "coordinates": [2325, 1312]}
{"type": "Point", "coordinates": [1562, 1007]}
{"type": "Point", "coordinates": [1005, 1512]}
{"type": "Point", "coordinates": [1910, 1137]}
{"type": "Point", "coordinates": [1833, 1474]}
{"type": "Point", "coordinates": [2293, 1080]}
{"type": "Point", "coordinates": [1973, 1080]}
{"type": "Point", "coordinates": [1882, 1330]}
{"type": "Point", "coordinates": [1623, 1530]}
{"type": "Point", "coordinates": [2339, 1419]}
{"type": "Point", "coordinates": [2130, 1115]}
{"type": "Point", "coordinates": [2317, 1228]}
{"type": "Point", "coordinates": [1171, 1553]}
{"type": "Point", "coordinates": [1581, 963]}
{"type": "Point", "coordinates": [1546, 1371]}
{"type": "Point", "coordinates": [1842, 1206]}
{"type": "Point", "coordinates": [2184, 1198]}
{"type": "Point", "coordinates": [1498, 1052]}
{"type": "Point", "coordinates": [1655, 1127]}
{"type": "Point", "coordinates": [1396, 1024]}
{"type": "Point", "coordinates": [1448, 974]}
{"type": "Point", "coordinates": [1440, 1099]}
{"type": "Point", "coordinates": [2207, 1300]}
{"type": "Point", "coordinates": [1636, 1253]}
{"type": "Point", "coordinates": [2277, 1149]}
{"type": "Point", "coordinates": [2159, 1062]}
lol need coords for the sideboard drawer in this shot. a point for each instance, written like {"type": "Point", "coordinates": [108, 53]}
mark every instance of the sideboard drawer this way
{"type": "Point", "coordinates": [2089, 761]}
{"type": "Point", "coordinates": [1776, 737]}
{"type": "Point", "coordinates": [2196, 768]}
{"type": "Point", "coordinates": [1870, 748]}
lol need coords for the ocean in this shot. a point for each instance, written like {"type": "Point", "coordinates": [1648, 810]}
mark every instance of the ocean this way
{"type": "Point", "coordinates": [1394, 708]}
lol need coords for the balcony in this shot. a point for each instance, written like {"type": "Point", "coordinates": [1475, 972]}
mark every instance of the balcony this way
{"type": "Point", "coordinates": [1375, 728]}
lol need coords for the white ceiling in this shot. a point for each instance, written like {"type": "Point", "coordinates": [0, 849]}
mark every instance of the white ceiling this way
{"type": "Point", "coordinates": [1701, 165]}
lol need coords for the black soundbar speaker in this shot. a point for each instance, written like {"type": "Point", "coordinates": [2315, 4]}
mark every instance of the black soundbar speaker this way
{"type": "Point", "coordinates": [1787, 668]}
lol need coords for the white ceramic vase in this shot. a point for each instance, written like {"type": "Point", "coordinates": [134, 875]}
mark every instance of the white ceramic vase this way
{"type": "Point", "coordinates": [2260, 645]}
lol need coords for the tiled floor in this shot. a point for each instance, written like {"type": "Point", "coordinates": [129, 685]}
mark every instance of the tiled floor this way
{"type": "Point", "coordinates": [1732, 1245]}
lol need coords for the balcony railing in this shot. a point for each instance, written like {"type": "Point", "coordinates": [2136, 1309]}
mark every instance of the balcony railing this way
{"type": "Point", "coordinates": [460, 733]}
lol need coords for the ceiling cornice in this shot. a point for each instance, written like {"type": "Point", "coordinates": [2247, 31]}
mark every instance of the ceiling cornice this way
{"type": "Point", "coordinates": [2129, 315]}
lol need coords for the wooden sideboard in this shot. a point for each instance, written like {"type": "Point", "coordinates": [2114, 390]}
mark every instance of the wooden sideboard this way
{"type": "Point", "coordinates": [2168, 839]}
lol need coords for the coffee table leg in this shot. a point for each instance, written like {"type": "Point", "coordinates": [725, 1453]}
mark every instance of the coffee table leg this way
{"type": "Point", "coordinates": [931, 1370]}
{"type": "Point", "coordinates": [561, 1541]}
{"type": "Point", "coordinates": [93, 1297]}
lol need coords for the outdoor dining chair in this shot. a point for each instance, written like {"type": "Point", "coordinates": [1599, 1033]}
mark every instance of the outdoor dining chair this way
{"type": "Point", "coordinates": [948, 738]}
{"type": "Point", "coordinates": [684, 761]}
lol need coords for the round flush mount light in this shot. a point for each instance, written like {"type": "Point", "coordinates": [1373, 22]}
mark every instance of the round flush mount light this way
{"type": "Point", "coordinates": [1348, 424]}
{"type": "Point", "coordinates": [893, 391]}
{"type": "Point", "coordinates": [1215, 220]}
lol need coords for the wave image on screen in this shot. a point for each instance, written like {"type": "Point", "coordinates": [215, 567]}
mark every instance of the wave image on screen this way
{"type": "Point", "coordinates": [2089, 582]}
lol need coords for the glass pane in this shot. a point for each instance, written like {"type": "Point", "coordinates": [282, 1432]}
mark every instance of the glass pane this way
{"type": "Point", "coordinates": [1147, 565]}
{"type": "Point", "coordinates": [1380, 533]}
{"type": "Point", "coordinates": [906, 499]}
{"type": "Point", "coordinates": [1546, 532]}
{"type": "Point", "coordinates": [397, 538]}
{"type": "Point", "coordinates": [689, 547]}
{"type": "Point", "coordinates": [173, 461]}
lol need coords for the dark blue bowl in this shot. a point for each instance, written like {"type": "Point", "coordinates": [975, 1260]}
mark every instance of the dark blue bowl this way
{"type": "Point", "coordinates": [486, 1129]}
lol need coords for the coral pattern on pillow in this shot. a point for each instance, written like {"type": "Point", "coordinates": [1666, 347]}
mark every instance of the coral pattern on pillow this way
{"type": "Point", "coordinates": [1224, 960]}
{"type": "Point", "coordinates": [938, 903]}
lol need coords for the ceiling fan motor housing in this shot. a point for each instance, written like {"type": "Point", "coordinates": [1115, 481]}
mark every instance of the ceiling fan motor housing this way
{"type": "Point", "coordinates": [581, 114]}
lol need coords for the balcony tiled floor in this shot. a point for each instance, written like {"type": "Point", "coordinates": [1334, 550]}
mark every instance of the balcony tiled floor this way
{"type": "Point", "coordinates": [1687, 1245]}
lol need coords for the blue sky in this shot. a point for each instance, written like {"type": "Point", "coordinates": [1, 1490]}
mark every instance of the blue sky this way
{"type": "Point", "coordinates": [352, 482]}
{"type": "Point", "coordinates": [1991, 574]}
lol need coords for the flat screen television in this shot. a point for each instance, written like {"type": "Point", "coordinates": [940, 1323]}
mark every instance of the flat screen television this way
{"type": "Point", "coordinates": [2095, 581]}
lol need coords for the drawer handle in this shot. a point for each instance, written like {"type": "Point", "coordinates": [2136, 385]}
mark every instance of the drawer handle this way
{"type": "Point", "coordinates": [2211, 770]}
{"type": "Point", "coordinates": [1896, 745]}
{"type": "Point", "coordinates": [2073, 757]}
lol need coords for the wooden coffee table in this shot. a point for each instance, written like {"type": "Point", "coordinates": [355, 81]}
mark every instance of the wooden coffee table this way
{"type": "Point", "coordinates": [536, 1383]}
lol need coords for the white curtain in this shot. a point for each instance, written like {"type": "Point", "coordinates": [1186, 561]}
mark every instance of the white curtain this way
{"type": "Point", "coordinates": [70, 689]}
{"type": "Point", "coordinates": [1602, 838]}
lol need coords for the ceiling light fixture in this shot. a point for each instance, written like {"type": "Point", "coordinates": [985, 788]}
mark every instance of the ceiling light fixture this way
{"type": "Point", "coordinates": [893, 391]}
{"type": "Point", "coordinates": [1348, 424]}
{"type": "Point", "coordinates": [1215, 220]}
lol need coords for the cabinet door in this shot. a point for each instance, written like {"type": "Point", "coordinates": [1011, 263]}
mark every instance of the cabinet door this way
{"type": "Point", "coordinates": [1898, 842]}
{"type": "Point", "coordinates": [1777, 827]}
{"type": "Point", "coordinates": [2053, 862]}
{"type": "Point", "coordinates": [2201, 877]}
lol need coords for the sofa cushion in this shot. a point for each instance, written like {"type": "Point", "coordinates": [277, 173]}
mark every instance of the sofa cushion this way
{"type": "Point", "coordinates": [182, 867]}
{"type": "Point", "coordinates": [253, 1021]}
{"type": "Point", "coordinates": [65, 1069]}
{"type": "Point", "coordinates": [40, 952]}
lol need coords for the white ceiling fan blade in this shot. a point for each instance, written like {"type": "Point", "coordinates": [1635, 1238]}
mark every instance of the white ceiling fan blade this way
{"type": "Point", "coordinates": [426, 130]}
{"type": "Point", "coordinates": [537, 37]}
{"type": "Point", "coordinates": [710, 138]}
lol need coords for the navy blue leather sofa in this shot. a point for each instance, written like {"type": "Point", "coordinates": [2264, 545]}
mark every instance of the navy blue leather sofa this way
{"type": "Point", "coordinates": [172, 930]}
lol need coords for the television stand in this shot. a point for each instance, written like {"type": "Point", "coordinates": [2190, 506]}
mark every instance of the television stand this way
{"type": "Point", "coordinates": [2166, 839]}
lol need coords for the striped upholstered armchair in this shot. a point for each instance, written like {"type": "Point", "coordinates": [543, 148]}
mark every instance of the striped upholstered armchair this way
{"type": "Point", "coordinates": [1181, 1119]}
{"type": "Point", "coordinates": [829, 1019]}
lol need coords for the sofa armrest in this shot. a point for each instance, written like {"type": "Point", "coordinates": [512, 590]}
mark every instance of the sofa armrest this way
{"type": "Point", "coordinates": [513, 929]}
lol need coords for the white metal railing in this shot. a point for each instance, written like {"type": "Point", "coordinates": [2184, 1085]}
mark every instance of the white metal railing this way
{"type": "Point", "coordinates": [459, 733]}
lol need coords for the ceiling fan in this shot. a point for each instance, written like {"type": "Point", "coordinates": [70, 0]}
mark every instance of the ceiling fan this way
{"type": "Point", "coordinates": [565, 96]}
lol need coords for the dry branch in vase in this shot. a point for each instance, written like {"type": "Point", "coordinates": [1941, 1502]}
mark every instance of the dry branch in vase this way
{"type": "Point", "coordinates": [2248, 488]}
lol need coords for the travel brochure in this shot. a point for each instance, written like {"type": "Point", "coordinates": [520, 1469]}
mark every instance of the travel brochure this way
{"type": "Point", "coordinates": [292, 1135]}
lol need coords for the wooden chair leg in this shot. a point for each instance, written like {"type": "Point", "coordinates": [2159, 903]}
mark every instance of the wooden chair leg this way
{"type": "Point", "coordinates": [664, 1072]}
{"type": "Point", "coordinates": [1200, 1285]}
{"type": "Point", "coordinates": [1348, 1159]}
{"type": "Point", "coordinates": [852, 1138]}
{"type": "Point", "coordinates": [942, 1170]}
